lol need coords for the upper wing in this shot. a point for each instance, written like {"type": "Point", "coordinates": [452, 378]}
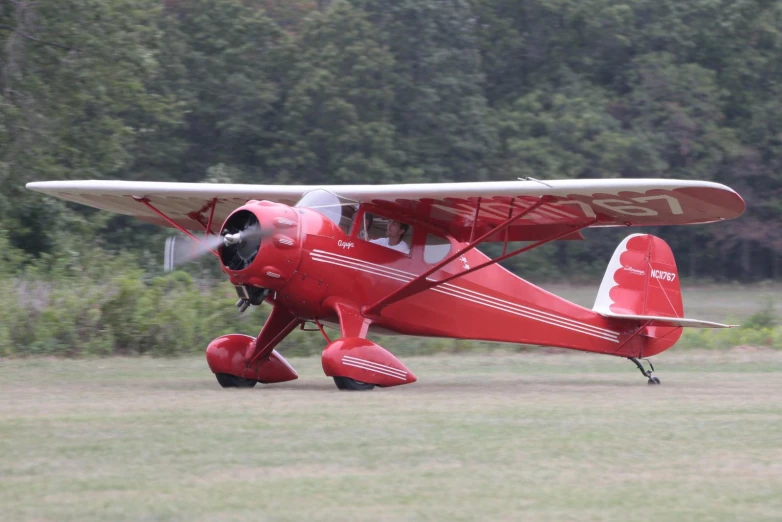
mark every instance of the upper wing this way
{"type": "Point", "coordinates": [187, 204]}
{"type": "Point", "coordinates": [608, 202]}
{"type": "Point", "coordinates": [454, 207]}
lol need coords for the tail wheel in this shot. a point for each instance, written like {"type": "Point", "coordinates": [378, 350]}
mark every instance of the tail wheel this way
{"type": "Point", "coordinates": [346, 383]}
{"type": "Point", "coordinates": [227, 380]}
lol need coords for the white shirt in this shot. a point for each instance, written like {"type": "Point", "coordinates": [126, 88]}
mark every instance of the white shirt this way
{"type": "Point", "coordinates": [399, 247]}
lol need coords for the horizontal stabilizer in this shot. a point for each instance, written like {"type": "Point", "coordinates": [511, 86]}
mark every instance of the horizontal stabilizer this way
{"type": "Point", "coordinates": [659, 320]}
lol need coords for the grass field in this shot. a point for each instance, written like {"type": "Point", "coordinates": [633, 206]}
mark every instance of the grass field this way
{"type": "Point", "coordinates": [540, 436]}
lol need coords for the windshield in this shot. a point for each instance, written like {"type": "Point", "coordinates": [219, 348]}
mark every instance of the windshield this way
{"type": "Point", "coordinates": [336, 209]}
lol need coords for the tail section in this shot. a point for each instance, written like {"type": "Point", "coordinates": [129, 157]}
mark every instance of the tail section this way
{"type": "Point", "coordinates": [641, 285]}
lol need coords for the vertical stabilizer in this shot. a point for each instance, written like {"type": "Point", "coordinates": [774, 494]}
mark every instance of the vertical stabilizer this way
{"type": "Point", "coordinates": [641, 279]}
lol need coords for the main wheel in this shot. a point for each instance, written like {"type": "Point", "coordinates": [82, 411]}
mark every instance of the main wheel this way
{"type": "Point", "coordinates": [654, 380]}
{"type": "Point", "coordinates": [227, 380]}
{"type": "Point", "coordinates": [346, 383]}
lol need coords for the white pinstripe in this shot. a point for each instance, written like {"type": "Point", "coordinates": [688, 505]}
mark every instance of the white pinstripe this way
{"type": "Point", "coordinates": [363, 364]}
{"type": "Point", "coordinates": [372, 364]}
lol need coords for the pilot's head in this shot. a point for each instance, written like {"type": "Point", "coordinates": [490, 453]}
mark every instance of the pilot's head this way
{"type": "Point", "coordinates": [396, 230]}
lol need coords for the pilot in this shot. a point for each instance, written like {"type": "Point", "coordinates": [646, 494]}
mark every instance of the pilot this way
{"type": "Point", "coordinates": [395, 231]}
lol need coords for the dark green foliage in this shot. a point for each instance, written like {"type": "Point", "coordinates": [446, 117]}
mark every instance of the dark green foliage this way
{"type": "Point", "coordinates": [337, 114]}
{"type": "Point", "coordinates": [75, 85]}
{"type": "Point", "coordinates": [64, 310]}
{"type": "Point", "coordinates": [364, 91]}
{"type": "Point", "coordinates": [440, 109]}
{"type": "Point", "coordinates": [224, 61]}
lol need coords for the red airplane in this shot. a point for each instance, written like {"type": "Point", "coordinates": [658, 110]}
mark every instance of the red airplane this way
{"type": "Point", "coordinates": [401, 259]}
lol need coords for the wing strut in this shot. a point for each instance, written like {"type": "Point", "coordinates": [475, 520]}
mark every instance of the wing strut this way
{"type": "Point", "coordinates": [145, 201]}
{"type": "Point", "coordinates": [422, 282]}
{"type": "Point", "coordinates": [198, 216]}
{"type": "Point", "coordinates": [211, 216]}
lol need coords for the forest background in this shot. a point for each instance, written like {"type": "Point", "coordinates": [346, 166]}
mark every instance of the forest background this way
{"type": "Point", "coordinates": [364, 91]}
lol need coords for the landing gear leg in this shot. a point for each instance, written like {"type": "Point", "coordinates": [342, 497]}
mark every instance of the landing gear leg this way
{"type": "Point", "coordinates": [646, 373]}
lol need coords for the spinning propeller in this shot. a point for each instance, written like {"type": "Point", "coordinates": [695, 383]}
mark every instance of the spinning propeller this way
{"type": "Point", "coordinates": [240, 240]}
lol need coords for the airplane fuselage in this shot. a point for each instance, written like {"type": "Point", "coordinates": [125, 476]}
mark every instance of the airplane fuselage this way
{"type": "Point", "coordinates": [491, 304]}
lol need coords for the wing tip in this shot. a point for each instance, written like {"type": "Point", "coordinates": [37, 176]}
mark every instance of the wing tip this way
{"type": "Point", "coordinates": [48, 186]}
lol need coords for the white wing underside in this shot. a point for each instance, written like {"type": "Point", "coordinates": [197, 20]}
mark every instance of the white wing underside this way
{"type": "Point", "coordinates": [615, 201]}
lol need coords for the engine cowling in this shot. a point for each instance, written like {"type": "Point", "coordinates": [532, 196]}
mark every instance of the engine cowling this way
{"type": "Point", "coordinates": [262, 247]}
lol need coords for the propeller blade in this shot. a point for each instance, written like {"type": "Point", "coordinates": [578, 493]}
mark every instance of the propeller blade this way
{"type": "Point", "coordinates": [182, 249]}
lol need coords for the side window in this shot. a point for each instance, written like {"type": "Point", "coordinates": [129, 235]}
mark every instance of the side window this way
{"type": "Point", "coordinates": [386, 232]}
{"type": "Point", "coordinates": [436, 248]}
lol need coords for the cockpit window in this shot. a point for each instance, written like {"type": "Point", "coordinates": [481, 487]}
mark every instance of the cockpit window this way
{"type": "Point", "coordinates": [436, 248]}
{"type": "Point", "coordinates": [336, 209]}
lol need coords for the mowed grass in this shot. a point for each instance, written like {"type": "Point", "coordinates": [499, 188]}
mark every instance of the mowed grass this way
{"type": "Point", "coordinates": [530, 436]}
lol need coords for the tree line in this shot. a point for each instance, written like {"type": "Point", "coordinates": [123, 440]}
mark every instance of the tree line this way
{"type": "Point", "coordinates": [369, 91]}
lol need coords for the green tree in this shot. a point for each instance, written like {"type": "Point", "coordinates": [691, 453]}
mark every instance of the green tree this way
{"type": "Point", "coordinates": [440, 110]}
{"type": "Point", "coordinates": [224, 61]}
{"type": "Point", "coordinates": [564, 133]}
{"type": "Point", "coordinates": [70, 78]}
{"type": "Point", "coordinates": [336, 122]}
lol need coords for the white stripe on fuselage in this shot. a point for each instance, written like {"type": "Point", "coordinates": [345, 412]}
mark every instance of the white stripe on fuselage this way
{"type": "Point", "coordinates": [469, 295]}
